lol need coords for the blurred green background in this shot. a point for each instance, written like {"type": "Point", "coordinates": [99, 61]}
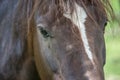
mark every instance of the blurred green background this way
{"type": "Point", "coordinates": [112, 38]}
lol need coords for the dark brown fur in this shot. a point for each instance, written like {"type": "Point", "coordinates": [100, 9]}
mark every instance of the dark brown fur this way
{"type": "Point", "coordinates": [17, 26]}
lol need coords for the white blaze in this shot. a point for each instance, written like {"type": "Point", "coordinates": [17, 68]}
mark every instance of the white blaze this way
{"type": "Point", "coordinates": [78, 18]}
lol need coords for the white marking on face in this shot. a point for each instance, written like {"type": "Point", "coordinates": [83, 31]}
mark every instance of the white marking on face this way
{"type": "Point", "coordinates": [89, 75]}
{"type": "Point", "coordinates": [69, 47]}
{"type": "Point", "coordinates": [78, 18]}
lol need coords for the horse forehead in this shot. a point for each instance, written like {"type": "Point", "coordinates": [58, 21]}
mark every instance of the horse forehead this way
{"type": "Point", "coordinates": [78, 18]}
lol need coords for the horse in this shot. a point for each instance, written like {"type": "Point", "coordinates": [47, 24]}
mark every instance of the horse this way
{"type": "Point", "coordinates": [52, 39]}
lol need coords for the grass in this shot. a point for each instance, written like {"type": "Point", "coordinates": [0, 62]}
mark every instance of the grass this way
{"type": "Point", "coordinates": [112, 38]}
{"type": "Point", "coordinates": [113, 56]}
{"type": "Point", "coordinates": [112, 67]}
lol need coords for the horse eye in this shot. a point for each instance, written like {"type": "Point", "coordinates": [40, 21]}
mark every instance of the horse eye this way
{"type": "Point", "coordinates": [45, 33]}
{"type": "Point", "coordinates": [105, 23]}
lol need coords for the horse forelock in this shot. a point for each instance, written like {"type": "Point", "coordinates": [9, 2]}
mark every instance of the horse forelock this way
{"type": "Point", "coordinates": [63, 5]}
